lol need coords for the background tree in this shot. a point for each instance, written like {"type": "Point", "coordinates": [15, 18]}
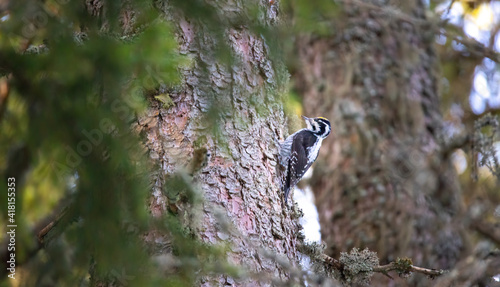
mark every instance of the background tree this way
{"type": "Point", "coordinates": [221, 125]}
{"type": "Point", "coordinates": [387, 181]}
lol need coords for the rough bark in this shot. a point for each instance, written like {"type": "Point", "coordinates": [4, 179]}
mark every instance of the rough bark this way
{"type": "Point", "coordinates": [241, 102]}
{"type": "Point", "coordinates": [382, 180]}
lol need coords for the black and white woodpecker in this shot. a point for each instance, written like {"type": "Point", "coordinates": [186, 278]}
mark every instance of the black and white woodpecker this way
{"type": "Point", "coordinates": [300, 150]}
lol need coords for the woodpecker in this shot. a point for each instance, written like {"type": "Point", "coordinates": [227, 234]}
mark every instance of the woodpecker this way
{"type": "Point", "coordinates": [300, 150]}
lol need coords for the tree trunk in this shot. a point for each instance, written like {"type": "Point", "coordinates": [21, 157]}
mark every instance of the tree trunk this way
{"type": "Point", "coordinates": [384, 180]}
{"type": "Point", "coordinates": [231, 116]}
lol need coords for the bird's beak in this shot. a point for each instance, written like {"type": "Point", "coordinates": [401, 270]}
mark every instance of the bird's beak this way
{"type": "Point", "coordinates": [308, 121]}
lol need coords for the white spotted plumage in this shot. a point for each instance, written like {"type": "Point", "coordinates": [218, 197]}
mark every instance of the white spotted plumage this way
{"type": "Point", "coordinates": [299, 151]}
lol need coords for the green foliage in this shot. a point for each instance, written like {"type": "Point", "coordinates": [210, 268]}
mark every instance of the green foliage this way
{"type": "Point", "coordinates": [76, 82]}
{"type": "Point", "coordinates": [78, 76]}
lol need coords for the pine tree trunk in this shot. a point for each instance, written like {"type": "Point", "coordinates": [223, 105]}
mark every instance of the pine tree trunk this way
{"type": "Point", "coordinates": [231, 115]}
{"type": "Point", "coordinates": [384, 179]}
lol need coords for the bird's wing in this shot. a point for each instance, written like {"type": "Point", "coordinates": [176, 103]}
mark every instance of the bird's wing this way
{"type": "Point", "coordinates": [298, 158]}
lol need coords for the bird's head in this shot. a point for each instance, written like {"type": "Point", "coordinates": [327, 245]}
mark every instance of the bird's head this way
{"type": "Point", "coordinates": [319, 126]}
